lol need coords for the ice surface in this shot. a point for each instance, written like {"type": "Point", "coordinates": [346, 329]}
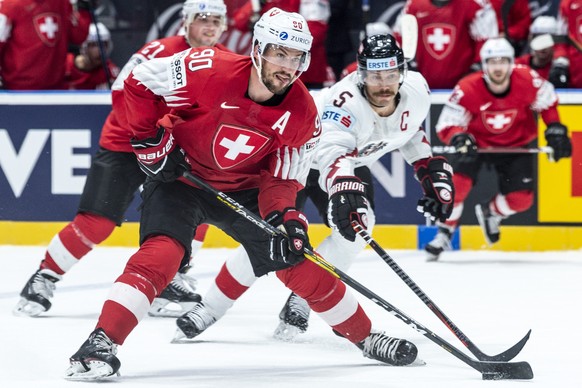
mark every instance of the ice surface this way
{"type": "Point", "coordinates": [493, 297]}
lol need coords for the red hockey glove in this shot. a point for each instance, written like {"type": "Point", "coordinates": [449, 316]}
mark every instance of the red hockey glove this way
{"type": "Point", "coordinates": [289, 249]}
{"type": "Point", "coordinates": [159, 157]}
{"type": "Point", "coordinates": [436, 178]}
{"type": "Point", "coordinates": [347, 203]}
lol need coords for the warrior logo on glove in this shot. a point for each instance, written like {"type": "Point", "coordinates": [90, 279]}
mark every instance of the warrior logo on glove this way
{"type": "Point", "coordinates": [436, 178]}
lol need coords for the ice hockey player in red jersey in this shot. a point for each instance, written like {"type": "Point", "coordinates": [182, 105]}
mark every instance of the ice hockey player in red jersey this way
{"type": "Point", "coordinates": [249, 128]}
{"type": "Point", "coordinates": [85, 71]}
{"type": "Point", "coordinates": [570, 25]}
{"type": "Point", "coordinates": [34, 40]}
{"type": "Point", "coordinates": [450, 34]}
{"type": "Point", "coordinates": [114, 177]}
{"type": "Point", "coordinates": [495, 108]}
{"type": "Point", "coordinates": [372, 112]}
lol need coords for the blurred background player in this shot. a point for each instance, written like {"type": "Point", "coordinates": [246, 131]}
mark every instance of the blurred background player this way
{"type": "Point", "coordinates": [513, 21]}
{"type": "Point", "coordinates": [570, 53]}
{"type": "Point", "coordinates": [493, 108]}
{"type": "Point", "coordinates": [85, 71]}
{"type": "Point", "coordinates": [115, 176]}
{"type": "Point", "coordinates": [34, 39]}
{"type": "Point", "coordinates": [316, 13]}
{"type": "Point", "coordinates": [542, 53]}
{"type": "Point", "coordinates": [450, 35]}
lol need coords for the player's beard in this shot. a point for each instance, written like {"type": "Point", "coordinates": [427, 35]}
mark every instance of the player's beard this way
{"type": "Point", "coordinates": [275, 84]}
{"type": "Point", "coordinates": [497, 78]}
{"type": "Point", "coordinates": [382, 97]}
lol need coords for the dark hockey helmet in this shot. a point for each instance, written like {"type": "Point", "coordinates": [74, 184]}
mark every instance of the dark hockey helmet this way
{"type": "Point", "coordinates": [380, 53]}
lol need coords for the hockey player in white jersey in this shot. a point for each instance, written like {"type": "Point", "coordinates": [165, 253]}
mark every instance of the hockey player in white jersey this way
{"type": "Point", "coordinates": [376, 110]}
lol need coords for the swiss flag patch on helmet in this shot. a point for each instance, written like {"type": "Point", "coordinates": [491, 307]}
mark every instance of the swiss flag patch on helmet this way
{"type": "Point", "coordinates": [234, 145]}
{"type": "Point", "coordinates": [48, 27]}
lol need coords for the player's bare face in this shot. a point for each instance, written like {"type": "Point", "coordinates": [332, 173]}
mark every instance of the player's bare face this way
{"type": "Point", "coordinates": [205, 30]}
{"type": "Point", "coordinates": [93, 53]}
{"type": "Point", "coordinates": [544, 56]}
{"type": "Point", "coordinates": [498, 70]}
{"type": "Point", "coordinates": [280, 67]}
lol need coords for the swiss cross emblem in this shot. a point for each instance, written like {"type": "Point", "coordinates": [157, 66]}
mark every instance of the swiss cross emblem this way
{"type": "Point", "coordinates": [498, 122]}
{"type": "Point", "coordinates": [233, 145]}
{"type": "Point", "coordinates": [48, 27]}
{"type": "Point", "coordinates": [438, 39]}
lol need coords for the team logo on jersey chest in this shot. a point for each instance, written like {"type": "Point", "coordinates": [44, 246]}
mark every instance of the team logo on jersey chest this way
{"type": "Point", "coordinates": [234, 145]}
{"type": "Point", "coordinates": [438, 38]}
{"type": "Point", "coordinates": [48, 27]}
{"type": "Point", "coordinates": [498, 122]}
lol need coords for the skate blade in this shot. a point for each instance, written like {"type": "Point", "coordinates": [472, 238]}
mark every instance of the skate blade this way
{"type": "Point", "coordinates": [99, 370]}
{"type": "Point", "coordinates": [286, 332]}
{"type": "Point", "coordinates": [180, 338]}
{"type": "Point", "coordinates": [163, 308]}
{"type": "Point", "coordinates": [430, 258]}
{"type": "Point", "coordinates": [27, 308]}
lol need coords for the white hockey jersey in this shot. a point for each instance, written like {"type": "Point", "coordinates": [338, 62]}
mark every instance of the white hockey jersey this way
{"type": "Point", "coordinates": [355, 135]}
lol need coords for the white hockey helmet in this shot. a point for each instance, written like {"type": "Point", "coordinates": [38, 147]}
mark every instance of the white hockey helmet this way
{"type": "Point", "coordinates": [496, 48]}
{"type": "Point", "coordinates": [98, 32]}
{"type": "Point", "coordinates": [541, 31]}
{"type": "Point", "coordinates": [378, 28]}
{"type": "Point", "coordinates": [287, 29]}
{"type": "Point", "coordinates": [280, 28]}
{"type": "Point", "coordinates": [191, 8]}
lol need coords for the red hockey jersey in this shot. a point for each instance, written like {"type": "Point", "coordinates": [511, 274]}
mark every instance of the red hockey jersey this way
{"type": "Point", "coordinates": [450, 37]}
{"type": "Point", "coordinates": [232, 142]}
{"type": "Point", "coordinates": [506, 120]}
{"type": "Point", "coordinates": [34, 39]}
{"type": "Point", "coordinates": [89, 80]}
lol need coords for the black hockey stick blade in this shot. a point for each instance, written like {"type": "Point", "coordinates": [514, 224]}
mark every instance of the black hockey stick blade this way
{"type": "Point", "coordinates": [489, 370]}
{"type": "Point", "coordinates": [505, 370]}
{"type": "Point", "coordinates": [504, 356]}
{"type": "Point", "coordinates": [507, 355]}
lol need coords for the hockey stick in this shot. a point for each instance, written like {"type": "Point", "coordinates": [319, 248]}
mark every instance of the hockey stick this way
{"type": "Point", "coordinates": [100, 44]}
{"type": "Point", "coordinates": [489, 370]}
{"type": "Point", "coordinates": [505, 356]}
{"type": "Point", "coordinates": [496, 150]}
{"type": "Point", "coordinates": [409, 31]}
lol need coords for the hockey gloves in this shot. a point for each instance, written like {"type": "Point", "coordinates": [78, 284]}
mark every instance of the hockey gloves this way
{"type": "Point", "coordinates": [289, 247]}
{"type": "Point", "coordinates": [347, 203]}
{"type": "Point", "coordinates": [557, 138]}
{"type": "Point", "coordinates": [465, 145]}
{"type": "Point", "coordinates": [559, 75]}
{"type": "Point", "coordinates": [159, 157]}
{"type": "Point", "coordinates": [436, 178]}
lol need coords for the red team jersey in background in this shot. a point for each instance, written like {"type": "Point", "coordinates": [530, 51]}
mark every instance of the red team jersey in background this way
{"type": "Point", "coordinates": [506, 120]}
{"type": "Point", "coordinates": [89, 80]}
{"type": "Point", "coordinates": [518, 18]}
{"type": "Point", "coordinates": [235, 143]}
{"type": "Point", "coordinates": [34, 39]}
{"type": "Point", "coordinates": [525, 59]}
{"type": "Point", "coordinates": [446, 50]}
{"type": "Point", "coordinates": [571, 12]}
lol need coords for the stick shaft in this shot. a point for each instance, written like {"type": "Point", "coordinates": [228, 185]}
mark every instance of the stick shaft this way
{"type": "Point", "coordinates": [501, 370]}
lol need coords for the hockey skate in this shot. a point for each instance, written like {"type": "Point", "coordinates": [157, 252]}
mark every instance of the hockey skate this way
{"type": "Point", "coordinates": [36, 294]}
{"type": "Point", "coordinates": [440, 243]}
{"type": "Point", "coordinates": [489, 223]}
{"type": "Point", "coordinates": [95, 359]}
{"type": "Point", "coordinates": [393, 351]}
{"type": "Point", "coordinates": [294, 318]}
{"type": "Point", "coordinates": [176, 299]}
{"type": "Point", "coordinates": [193, 323]}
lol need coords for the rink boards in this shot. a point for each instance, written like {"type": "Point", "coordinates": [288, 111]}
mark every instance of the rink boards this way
{"type": "Point", "coordinates": [47, 140]}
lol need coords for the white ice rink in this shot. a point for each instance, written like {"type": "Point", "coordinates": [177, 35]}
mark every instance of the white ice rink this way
{"type": "Point", "coordinates": [493, 297]}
